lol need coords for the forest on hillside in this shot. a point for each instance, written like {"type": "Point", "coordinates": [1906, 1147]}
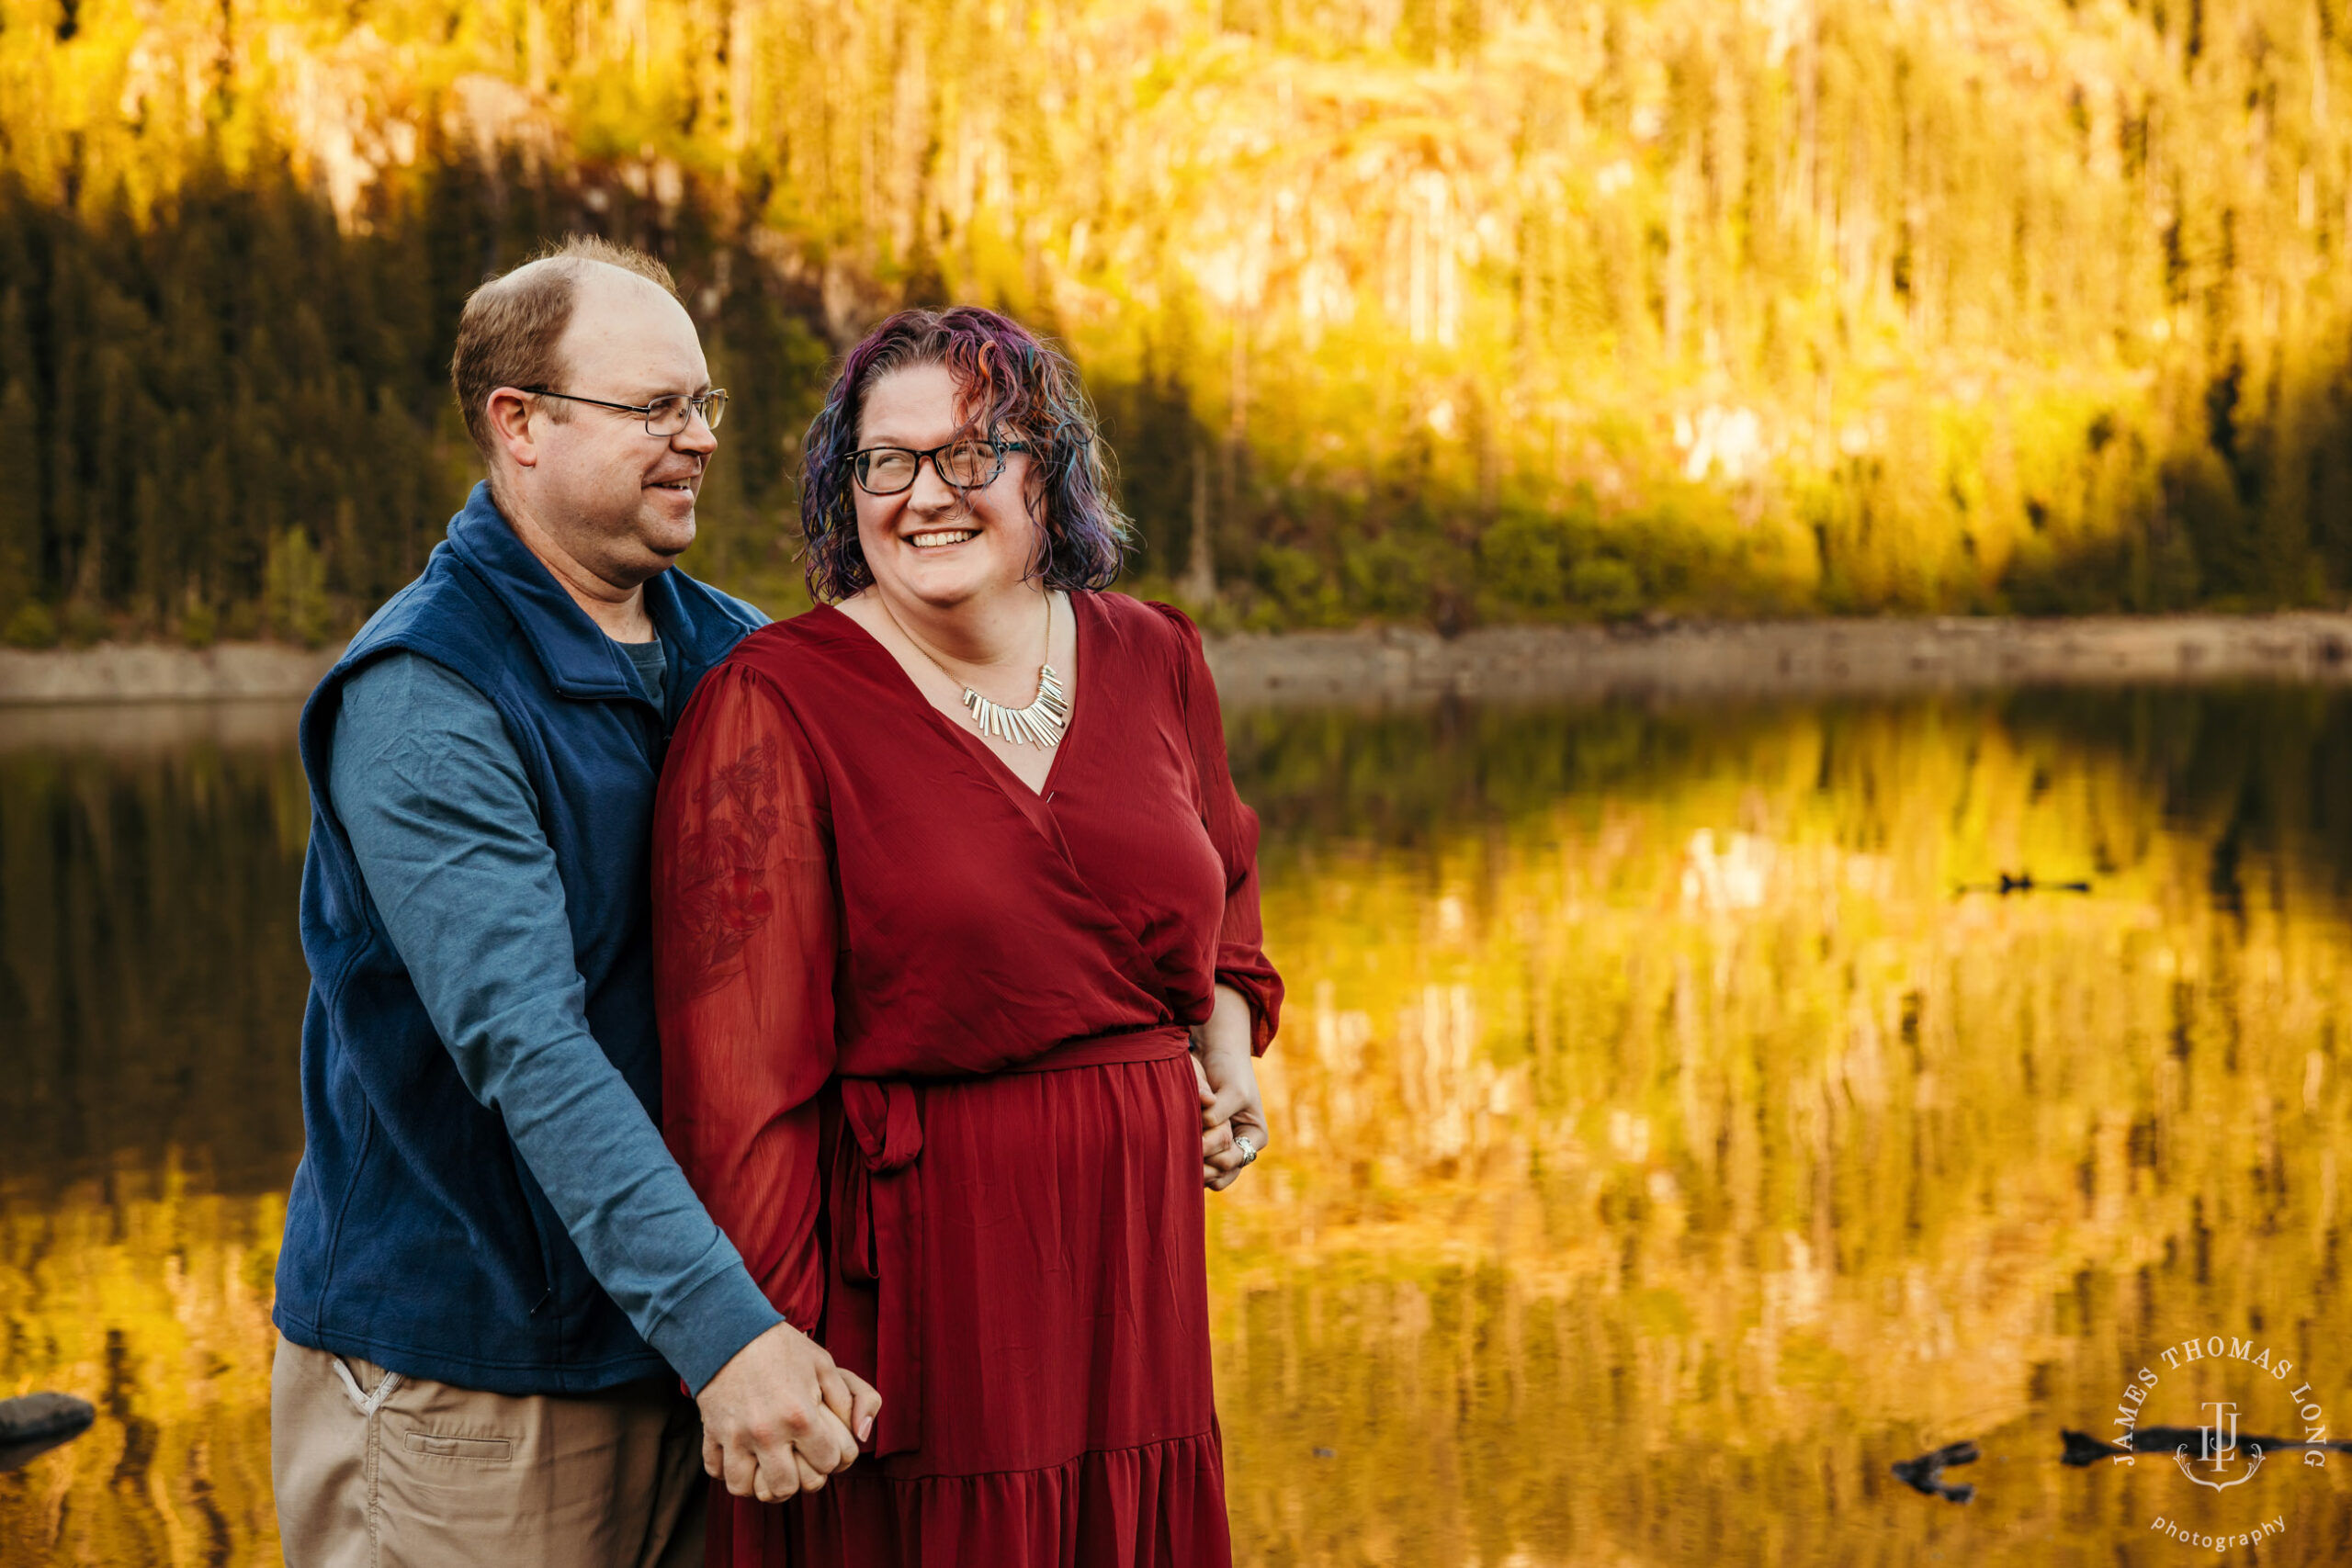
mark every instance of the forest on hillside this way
{"type": "Point", "coordinates": [1443, 310]}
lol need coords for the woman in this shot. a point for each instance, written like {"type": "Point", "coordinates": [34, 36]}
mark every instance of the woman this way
{"type": "Point", "coordinates": [960, 979]}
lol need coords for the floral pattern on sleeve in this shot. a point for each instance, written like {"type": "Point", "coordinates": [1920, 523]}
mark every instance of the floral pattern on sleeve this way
{"type": "Point", "coordinates": [722, 894]}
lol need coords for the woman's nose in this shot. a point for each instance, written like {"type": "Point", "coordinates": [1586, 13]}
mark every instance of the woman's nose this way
{"type": "Point", "coordinates": [929, 492]}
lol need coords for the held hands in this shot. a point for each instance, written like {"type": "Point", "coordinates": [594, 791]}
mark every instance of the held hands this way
{"type": "Point", "coordinates": [781, 1418]}
{"type": "Point", "coordinates": [1228, 1078]}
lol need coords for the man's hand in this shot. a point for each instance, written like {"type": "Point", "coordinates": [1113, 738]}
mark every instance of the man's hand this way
{"type": "Point", "coordinates": [780, 1417]}
{"type": "Point", "coordinates": [1227, 1075]}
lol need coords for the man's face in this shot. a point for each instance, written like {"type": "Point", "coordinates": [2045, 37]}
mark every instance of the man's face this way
{"type": "Point", "coordinates": [621, 503]}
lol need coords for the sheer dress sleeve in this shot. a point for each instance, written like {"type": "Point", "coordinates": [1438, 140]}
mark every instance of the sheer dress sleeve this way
{"type": "Point", "coordinates": [744, 931]}
{"type": "Point", "coordinates": [1233, 827]}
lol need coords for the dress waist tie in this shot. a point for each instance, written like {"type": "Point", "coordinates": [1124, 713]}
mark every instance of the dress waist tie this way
{"type": "Point", "coordinates": [877, 1204]}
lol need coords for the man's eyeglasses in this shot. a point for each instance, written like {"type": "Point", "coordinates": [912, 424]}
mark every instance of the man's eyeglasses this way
{"type": "Point", "coordinates": [965, 465]}
{"type": "Point", "coordinates": [662, 416]}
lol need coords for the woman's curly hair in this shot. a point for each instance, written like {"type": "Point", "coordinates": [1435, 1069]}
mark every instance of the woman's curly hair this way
{"type": "Point", "coordinates": [1011, 388]}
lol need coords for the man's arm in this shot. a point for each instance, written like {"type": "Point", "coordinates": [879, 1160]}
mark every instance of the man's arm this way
{"type": "Point", "coordinates": [446, 827]}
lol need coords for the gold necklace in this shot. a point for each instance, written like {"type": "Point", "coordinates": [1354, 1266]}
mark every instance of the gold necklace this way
{"type": "Point", "coordinates": [1041, 723]}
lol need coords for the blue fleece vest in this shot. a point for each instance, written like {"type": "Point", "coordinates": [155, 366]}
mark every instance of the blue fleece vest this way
{"type": "Point", "coordinates": [416, 1237]}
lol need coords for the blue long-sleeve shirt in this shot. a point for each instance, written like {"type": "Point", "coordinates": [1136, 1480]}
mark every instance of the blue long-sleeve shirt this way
{"type": "Point", "coordinates": [446, 828]}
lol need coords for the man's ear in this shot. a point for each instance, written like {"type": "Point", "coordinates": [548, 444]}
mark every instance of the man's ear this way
{"type": "Point", "coordinates": [510, 414]}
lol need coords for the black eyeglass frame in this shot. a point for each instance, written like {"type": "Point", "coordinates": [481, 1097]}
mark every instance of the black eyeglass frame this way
{"type": "Point", "coordinates": [858, 464]}
{"type": "Point", "coordinates": [702, 403]}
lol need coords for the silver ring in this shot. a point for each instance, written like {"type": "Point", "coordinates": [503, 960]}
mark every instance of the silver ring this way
{"type": "Point", "coordinates": [1249, 1150]}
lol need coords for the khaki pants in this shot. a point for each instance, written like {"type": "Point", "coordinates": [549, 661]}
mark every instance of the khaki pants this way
{"type": "Point", "coordinates": [374, 1470]}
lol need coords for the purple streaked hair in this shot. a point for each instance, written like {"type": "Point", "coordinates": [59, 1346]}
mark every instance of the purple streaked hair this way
{"type": "Point", "coordinates": [1014, 388]}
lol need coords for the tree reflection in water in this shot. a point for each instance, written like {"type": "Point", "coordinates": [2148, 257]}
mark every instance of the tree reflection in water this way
{"type": "Point", "coordinates": [1662, 1151]}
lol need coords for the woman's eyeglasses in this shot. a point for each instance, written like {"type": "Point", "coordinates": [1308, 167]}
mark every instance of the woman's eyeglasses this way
{"type": "Point", "coordinates": [662, 416]}
{"type": "Point", "coordinates": [964, 465]}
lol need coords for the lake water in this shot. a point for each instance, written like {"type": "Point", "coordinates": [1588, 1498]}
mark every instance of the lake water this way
{"type": "Point", "coordinates": [1664, 1147]}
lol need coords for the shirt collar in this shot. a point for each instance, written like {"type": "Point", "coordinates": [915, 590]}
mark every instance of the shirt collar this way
{"type": "Point", "coordinates": [579, 659]}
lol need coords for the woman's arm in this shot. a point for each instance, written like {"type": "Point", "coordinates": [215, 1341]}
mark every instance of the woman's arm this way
{"type": "Point", "coordinates": [743, 941]}
{"type": "Point", "coordinates": [1241, 963]}
{"type": "Point", "coordinates": [743, 938]}
{"type": "Point", "coordinates": [1249, 992]}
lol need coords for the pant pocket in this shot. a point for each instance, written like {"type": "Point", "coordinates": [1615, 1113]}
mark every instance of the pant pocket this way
{"type": "Point", "coordinates": [477, 1450]}
{"type": "Point", "coordinates": [365, 1384]}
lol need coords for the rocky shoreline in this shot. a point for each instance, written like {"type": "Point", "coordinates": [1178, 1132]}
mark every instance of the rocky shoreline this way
{"type": "Point", "coordinates": [1746, 660]}
{"type": "Point", "coordinates": [1398, 664]}
{"type": "Point", "coordinates": [157, 673]}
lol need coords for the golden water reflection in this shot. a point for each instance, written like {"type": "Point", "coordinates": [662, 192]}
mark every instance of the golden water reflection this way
{"type": "Point", "coordinates": [151, 996]}
{"type": "Point", "coordinates": [1663, 1147]}
{"type": "Point", "coordinates": [1665, 1157]}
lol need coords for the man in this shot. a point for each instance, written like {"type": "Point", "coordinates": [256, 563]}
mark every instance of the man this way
{"type": "Point", "coordinates": [493, 1274]}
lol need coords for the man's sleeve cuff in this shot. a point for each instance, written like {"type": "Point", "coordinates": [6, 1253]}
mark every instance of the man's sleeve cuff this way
{"type": "Point", "coordinates": [716, 1318]}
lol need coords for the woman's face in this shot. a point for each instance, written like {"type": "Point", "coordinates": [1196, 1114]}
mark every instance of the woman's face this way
{"type": "Point", "coordinates": [932, 541]}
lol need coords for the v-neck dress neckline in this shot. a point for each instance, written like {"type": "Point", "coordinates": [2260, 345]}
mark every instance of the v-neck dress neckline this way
{"type": "Point", "coordinates": [1012, 783]}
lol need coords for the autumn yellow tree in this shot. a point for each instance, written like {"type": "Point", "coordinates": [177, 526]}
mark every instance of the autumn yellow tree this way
{"type": "Point", "coordinates": [1445, 310]}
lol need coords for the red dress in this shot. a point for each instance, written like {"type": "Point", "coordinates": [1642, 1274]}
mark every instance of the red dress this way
{"type": "Point", "coordinates": [924, 1056]}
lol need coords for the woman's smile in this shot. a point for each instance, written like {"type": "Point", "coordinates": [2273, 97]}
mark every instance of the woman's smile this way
{"type": "Point", "coordinates": [940, 538]}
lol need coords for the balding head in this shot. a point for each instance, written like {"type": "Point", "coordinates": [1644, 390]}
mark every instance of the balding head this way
{"type": "Point", "coordinates": [601, 497]}
{"type": "Point", "coordinates": [512, 332]}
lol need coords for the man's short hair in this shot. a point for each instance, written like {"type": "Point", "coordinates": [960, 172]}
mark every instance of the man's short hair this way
{"type": "Point", "coordinates": [513, 324]}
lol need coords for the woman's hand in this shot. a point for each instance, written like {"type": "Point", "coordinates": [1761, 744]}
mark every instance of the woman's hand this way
{"type": "Point", "coordinates": [1227, 1075]}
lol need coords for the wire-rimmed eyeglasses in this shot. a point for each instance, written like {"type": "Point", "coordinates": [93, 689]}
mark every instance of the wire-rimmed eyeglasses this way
{"type": "Point", "coordinates": [961, 465]}
{"type": "Point", "coordinates": [662, 416]}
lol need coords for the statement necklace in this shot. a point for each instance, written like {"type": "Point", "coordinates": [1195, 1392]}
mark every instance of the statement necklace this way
{"type": "Point", "coordinates": [1041, 723]}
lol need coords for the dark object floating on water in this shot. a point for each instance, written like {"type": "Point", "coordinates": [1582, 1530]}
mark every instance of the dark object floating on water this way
{"type": "Point", "coordinates": [1926, 1473]}
{"type": "Point", "coordinates": [1327, 1453]}
{"type": "Point", "coordinates": [2022, 882]}
{"type": "Point", "coordinates": [35, 1423]}
{"type": "Point", "coordinates": [2163, 1442]}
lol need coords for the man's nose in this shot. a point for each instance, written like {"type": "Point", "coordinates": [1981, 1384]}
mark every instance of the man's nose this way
{"type": "Point", "coordinates": [698, 437]}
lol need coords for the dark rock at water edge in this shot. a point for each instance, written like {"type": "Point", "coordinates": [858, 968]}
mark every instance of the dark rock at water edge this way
{"type": "Point", "coordinates": [1926, 1473]}
{"type": "Point", "coordinates": [34, 1424]}
{"type": "Point", "coordinates": [2081, 1449]}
